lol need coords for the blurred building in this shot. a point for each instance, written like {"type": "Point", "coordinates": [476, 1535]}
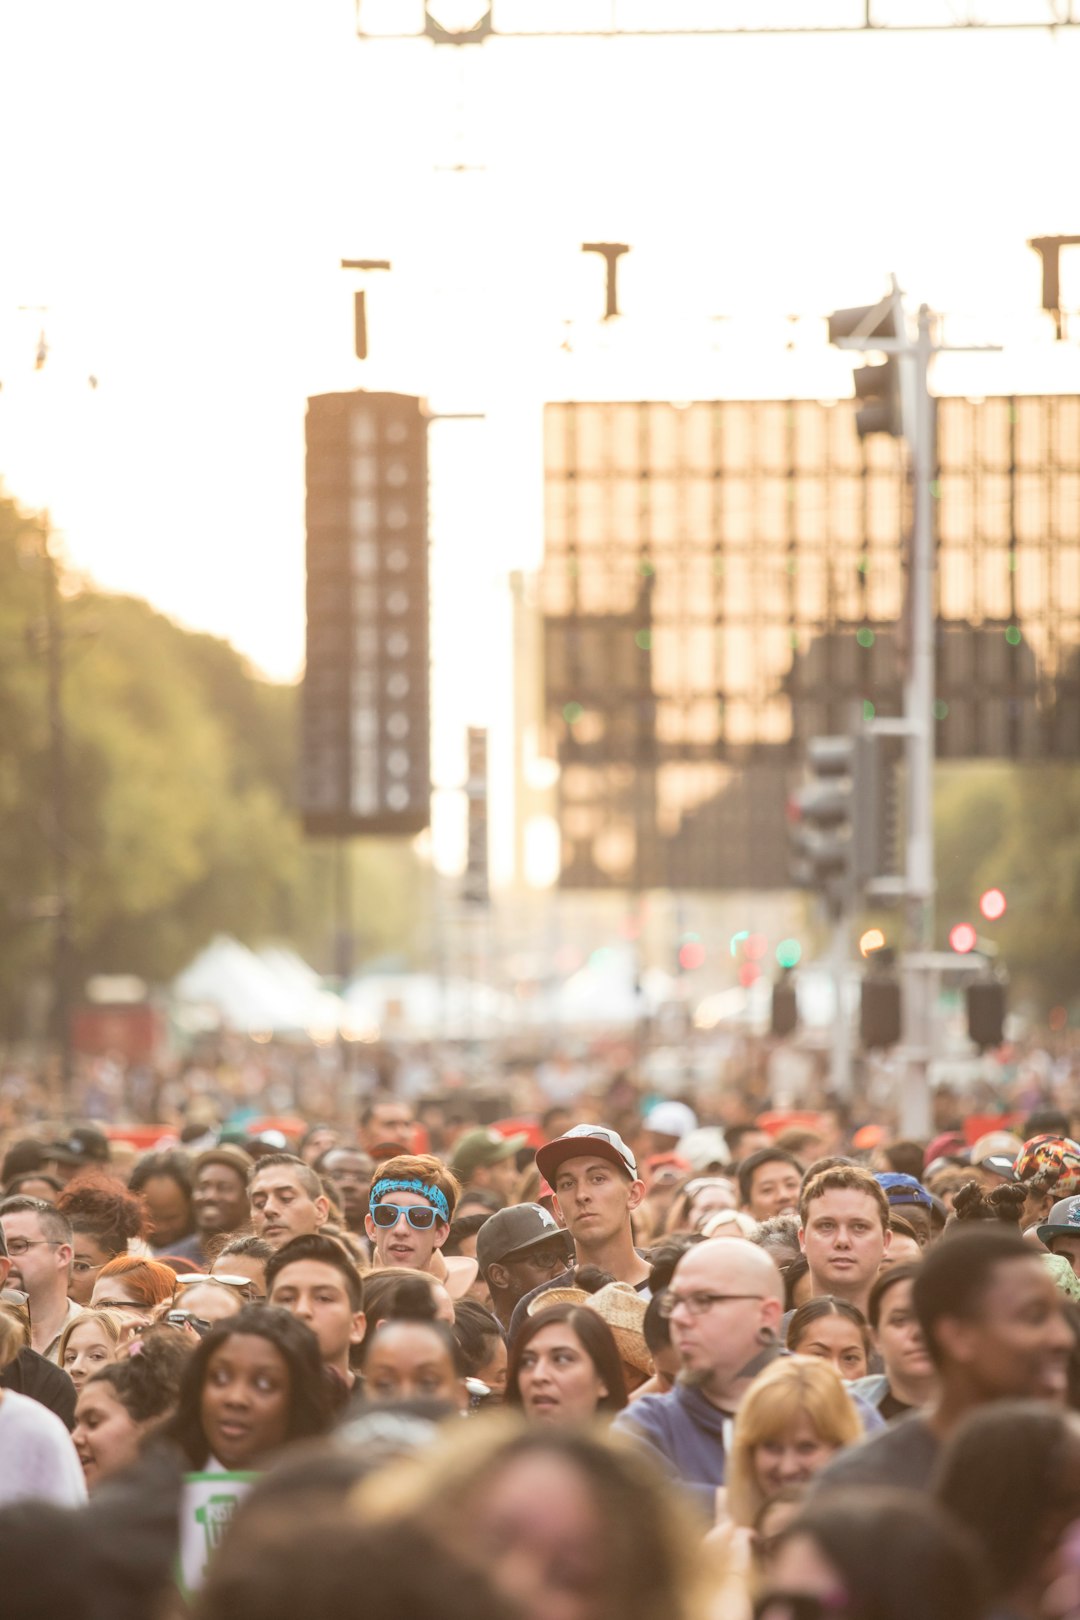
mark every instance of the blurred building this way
{"type": "Point", "coordinates": [724, 579]}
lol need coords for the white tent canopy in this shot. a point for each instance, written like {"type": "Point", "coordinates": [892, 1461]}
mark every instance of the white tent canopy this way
{"type": "Point", "coordinates": [273, 992]}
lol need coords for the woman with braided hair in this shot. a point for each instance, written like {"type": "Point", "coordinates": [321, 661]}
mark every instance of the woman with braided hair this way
{"type": "Point", "coordinates": [1005, 1203]}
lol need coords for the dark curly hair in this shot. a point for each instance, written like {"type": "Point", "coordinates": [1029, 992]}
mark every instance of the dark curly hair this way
{"type": "Point", "coordinates": [310, 1410]}
{"type": "Point", "coordinates": [100, 1207]}
{"type": "Point", "coordinates": [146, 1381]}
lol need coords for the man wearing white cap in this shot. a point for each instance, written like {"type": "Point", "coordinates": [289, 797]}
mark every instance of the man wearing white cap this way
{"type": "Point", "coordinates": [597, 1188]}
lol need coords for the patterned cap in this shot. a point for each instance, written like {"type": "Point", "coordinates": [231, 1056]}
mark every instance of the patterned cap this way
{"type": "Point", "coordinates": [1059, 1153]}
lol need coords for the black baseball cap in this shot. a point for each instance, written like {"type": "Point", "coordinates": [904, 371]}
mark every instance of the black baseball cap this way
{"type": "Point", "coordinates": [512, 1231]}
{"type": "Point", "coordinates": [83, 1144]}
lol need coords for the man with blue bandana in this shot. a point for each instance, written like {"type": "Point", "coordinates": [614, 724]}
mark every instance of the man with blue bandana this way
{"type": "Point", "coordinates": [410, 1207]}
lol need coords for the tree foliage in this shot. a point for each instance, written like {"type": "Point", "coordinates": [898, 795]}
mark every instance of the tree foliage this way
{"type": "Point", "coordinates": [180, 765]}
{"type": "Point", "coordinates": [1015, 828]}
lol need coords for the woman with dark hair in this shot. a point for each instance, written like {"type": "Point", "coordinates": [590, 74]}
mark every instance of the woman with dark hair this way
{"type": "Point", "coordinates": [833, 1329]}
{"type": "Point", "coordinates": [873, 1555]}
{"type": "Point", "coordinates": [1010, 1473]}
{"type": "Point", "coordinates": [909, 1379]}
{"type": "Point", "coordinates": [483, 1347]}
{"type": "Point", "coordinates": [413, 1354]}
{"type": "Point", "coordinates": [164, 1179]}
{"type": "Point", "coordinates": [387, 1294]}
{"type": "Point", "coordinates": [120, 1406]}
{"type": "Point", "coordinates": [565, 1367]}
{"type": "Point", "coordinates": [105, 1216]}
{"type": "Point", "coordinates": [252, 1384]}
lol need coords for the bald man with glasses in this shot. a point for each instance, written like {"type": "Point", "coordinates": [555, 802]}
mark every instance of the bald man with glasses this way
{"type": "Point", "coordinates": [724, 1305]}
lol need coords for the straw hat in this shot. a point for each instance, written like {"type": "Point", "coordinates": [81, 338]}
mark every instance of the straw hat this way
{"type": "Point", "coordinates": [623, 1309]}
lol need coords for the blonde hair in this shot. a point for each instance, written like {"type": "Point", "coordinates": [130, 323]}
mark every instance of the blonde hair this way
{"type": "Point", "coordinates": [111, 1325]}
{"type": "Point", "coordinates": [14, 1334]}
{"type": "Point", "coordinates": [654, 1554]}
{"type": "Point", "coordinates": [794, 1387]}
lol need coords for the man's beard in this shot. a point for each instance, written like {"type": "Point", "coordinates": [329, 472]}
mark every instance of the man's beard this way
{"type": "Point", "coordinates": [695, 1377]}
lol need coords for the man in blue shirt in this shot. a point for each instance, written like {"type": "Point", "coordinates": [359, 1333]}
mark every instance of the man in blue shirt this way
{"type": "Point", "coordinates": [724, 1304]}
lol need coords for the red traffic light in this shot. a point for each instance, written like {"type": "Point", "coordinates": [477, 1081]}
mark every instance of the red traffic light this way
{"type": "Point", "coordinates": [992, 904]}
{"type": "Point", "coordinates": [962, 938]}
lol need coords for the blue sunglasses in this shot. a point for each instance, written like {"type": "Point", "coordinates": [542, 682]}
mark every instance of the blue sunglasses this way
{"type": "Point", "coordinates": [422, 1216]}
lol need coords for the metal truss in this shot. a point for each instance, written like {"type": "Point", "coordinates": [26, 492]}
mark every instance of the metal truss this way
{"type": "Point", "coordinates": [625, 19]}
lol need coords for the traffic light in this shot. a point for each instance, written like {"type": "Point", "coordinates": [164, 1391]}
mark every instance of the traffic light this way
{"type": "Point", "coordinates": [785, 1008]}
{"type": "Point", "coordinates": [993, 905]}
{"type": "Point", "coordinates": [877, 385]}
{"type": "Point", "coordinates": [843, 821]}
{"type": "Point", "coordinates": [365, 737]}
{"type": "Point", "coordinates": [880, 1010]}
{"type": "Point", "coordinates": [821, 819]}
{"type": "Point", "coordinates": [986, 1011]}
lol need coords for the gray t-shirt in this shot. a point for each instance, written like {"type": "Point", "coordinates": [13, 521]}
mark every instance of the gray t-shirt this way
{"type": "Point", "coordinates": [38, 1460]}
{"type": "Point", "coordinates": [902, 1454]}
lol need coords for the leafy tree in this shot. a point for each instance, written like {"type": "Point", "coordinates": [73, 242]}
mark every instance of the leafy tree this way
{"type": "Point", "coordinates": [180, 764]}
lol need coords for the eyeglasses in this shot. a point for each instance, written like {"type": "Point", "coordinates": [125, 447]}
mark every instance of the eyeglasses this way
{"type": "Point", "coordinates": [422, 1216]}
{"type": "Point", "coordinates": [539, 1259]}
{"type": "Point", "coordinates": [122, 1305]}
{"type": "Point", "coordinates": [82, 1267]}
{"type": "Point", "coordinates": [18, 1246]}
{"type": "Point", "coordinates": [697, 1304]}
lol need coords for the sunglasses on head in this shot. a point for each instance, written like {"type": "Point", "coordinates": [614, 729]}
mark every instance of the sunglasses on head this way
{"type": "Point", "coordinates": [189, 1278]}
{"type": "Point", "coordinates": [198, 1324]}
{"type": "Point", "coordinates": [422, 1216]}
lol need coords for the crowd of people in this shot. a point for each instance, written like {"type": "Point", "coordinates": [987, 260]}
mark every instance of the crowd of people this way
{"type": "Point", "coordinates": [557, 1367]}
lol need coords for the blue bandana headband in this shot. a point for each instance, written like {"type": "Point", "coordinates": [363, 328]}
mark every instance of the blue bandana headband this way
{"type": "Point", "coordinates": [434, 1197]}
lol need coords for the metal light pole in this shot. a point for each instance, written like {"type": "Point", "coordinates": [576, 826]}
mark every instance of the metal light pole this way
{"type": "Point", "coordinates": [919, 982]}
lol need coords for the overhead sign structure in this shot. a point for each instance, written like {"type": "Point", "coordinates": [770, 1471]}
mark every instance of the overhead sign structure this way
{"type": "Point", "coordinates": [365, 754]}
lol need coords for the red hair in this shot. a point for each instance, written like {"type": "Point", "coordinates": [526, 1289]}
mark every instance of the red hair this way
{"type": "Point", "coordinates": [149, 1281]}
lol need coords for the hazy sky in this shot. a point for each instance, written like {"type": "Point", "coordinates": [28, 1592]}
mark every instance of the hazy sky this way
{"type": "Point", "coordinates": [180, 184]}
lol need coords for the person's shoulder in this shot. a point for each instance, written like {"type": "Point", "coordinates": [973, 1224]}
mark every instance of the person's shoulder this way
{"type": "Point", "coordinates": [649, 1411]}
{"type": "Point", "coordinates": [23, 1412]}
{"type": "Point", "coordinates": [30, 1374]}
{"type": "Point", "coordinates": [872, 1389]}
{"type": "Point", "coordinates": [901, 1453]}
